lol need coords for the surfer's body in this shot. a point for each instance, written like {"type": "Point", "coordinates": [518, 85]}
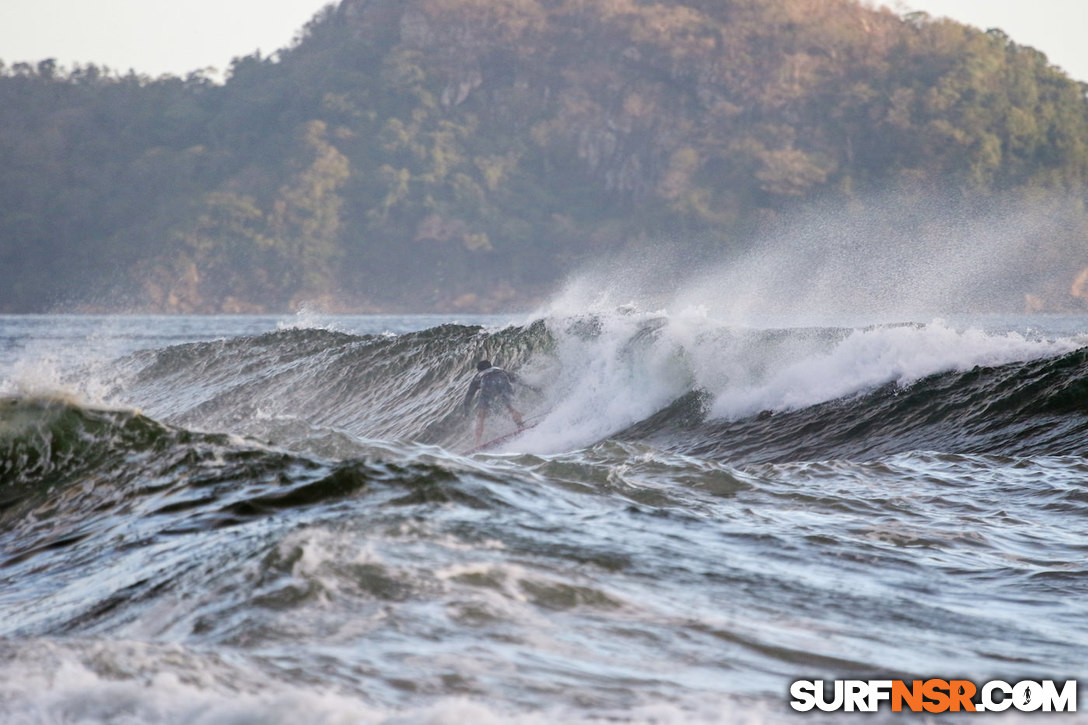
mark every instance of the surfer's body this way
{"type": "Point", "coordinates": [496, 389]}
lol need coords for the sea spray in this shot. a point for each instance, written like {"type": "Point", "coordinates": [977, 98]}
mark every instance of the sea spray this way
{"type": "Point", "coordinates": [865, 359]}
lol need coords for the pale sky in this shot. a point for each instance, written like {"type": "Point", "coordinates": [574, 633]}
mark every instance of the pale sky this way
{"type": "Point", "coordinates": [155, 37]}
{"type": "Point", "coordinates": [1056, 27]}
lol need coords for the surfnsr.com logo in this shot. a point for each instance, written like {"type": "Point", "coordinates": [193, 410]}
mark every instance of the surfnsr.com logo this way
{"type": "Point", "coordinates": [934, 696]}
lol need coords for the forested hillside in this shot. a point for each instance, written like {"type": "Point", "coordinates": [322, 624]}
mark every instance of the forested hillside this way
{"type": "Point", "coordinates": [466, 154]}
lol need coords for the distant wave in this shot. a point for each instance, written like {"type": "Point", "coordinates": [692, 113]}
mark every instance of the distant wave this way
{"type": "Point", "coordinates": [1032, 408]}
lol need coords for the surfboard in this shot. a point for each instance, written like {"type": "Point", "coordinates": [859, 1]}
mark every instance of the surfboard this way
{"type": "Point", "coordinates": [503, 438]}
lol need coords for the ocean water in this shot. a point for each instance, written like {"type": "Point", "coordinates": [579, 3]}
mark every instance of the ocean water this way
{"type": "Point", "coordinates": [234, 520]}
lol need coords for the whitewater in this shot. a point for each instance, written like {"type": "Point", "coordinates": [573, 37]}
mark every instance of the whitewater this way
{"type": "Point", "coordinates": [225, 520]}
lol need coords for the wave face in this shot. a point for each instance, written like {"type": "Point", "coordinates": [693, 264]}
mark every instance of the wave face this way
{"type": "Point", "coordinates": [682, 383]}
{"type": "Point", "coordinates": [223, 520]}
{"type": "Point", "coordinates": [291, 384]}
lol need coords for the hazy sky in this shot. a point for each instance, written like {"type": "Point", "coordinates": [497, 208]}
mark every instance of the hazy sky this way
{"type": "Point", "coordinates": [178, 36]}
{"type": "Point", "coordinates": [151, 36]}
{"type": "Point", "coordinates": [1055, 27]}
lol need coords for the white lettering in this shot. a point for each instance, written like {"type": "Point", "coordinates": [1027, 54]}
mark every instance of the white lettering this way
{"type": "Point", "coordinates": [988, 702]}
{"type": "Point", "coordinates": [879, 690]}
{"type": "Point", "coordinates": [836, 703]}
{"type": "Point", "coordinates": [1027, 696]}
{"type": "Point", "coordinates": [856, 696]}
{"type": "Point", "coordinates": [804, 695]}
{"type": "Point", "coordinates": [1065, 701]}
{"type": "Point", "coordinates": [993, 696]}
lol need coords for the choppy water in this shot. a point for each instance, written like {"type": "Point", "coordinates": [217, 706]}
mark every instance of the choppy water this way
{"type": "Point", "coordinates": [257, 520]}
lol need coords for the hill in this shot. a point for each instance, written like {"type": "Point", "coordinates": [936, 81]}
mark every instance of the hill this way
{"type": "Point", "coordinates": [466, 154]}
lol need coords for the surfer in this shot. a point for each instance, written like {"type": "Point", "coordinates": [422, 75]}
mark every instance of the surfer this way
{"type": "Point", "coordinates": [495, 386]}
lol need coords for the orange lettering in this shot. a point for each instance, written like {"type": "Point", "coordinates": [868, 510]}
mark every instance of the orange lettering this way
{"type": "Point", "coordinates": [961, 692]}
{"type": "Point", "coordinates": [935, 691]}
{"type": "Point", "coordinates": [912, 696]}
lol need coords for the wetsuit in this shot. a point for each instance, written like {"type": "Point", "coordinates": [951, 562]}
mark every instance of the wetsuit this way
{"type": "Point", "coordinates": [495, 388]}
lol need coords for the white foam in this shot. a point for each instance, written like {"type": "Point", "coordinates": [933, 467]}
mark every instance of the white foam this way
{"type": "Point", "coordinates": [309, 317]}
{"type": "Point", "coordinates": [627, 367]}
{"type": "Point", "coordinates": [892, 259]}
{"type": "Point", "coordinates": [37, 376]}
{"type": "Point", "coordinates": [63, 357]}
{"type": "Point", "coordinates": [174, 687]}
{"type": "Point", "coordinates": [869, 358]}
{"type": "Point", "coordinates": [617, 367]}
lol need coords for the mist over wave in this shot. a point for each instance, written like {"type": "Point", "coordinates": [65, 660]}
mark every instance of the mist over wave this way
{"type": "Point", "coordinates": [896, 258]}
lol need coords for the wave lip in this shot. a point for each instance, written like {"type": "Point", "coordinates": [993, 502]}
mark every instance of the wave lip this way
{"type": "Point", "coordinates": [691, 384]}
{"type": "Point", "coordinates": [56, 439]}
